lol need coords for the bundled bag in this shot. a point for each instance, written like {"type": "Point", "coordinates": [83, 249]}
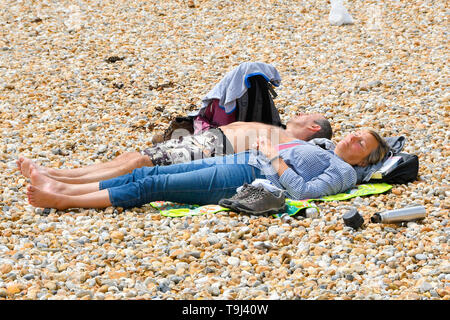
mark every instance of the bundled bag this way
{"type": "Point", "coordinates": [406, 170]}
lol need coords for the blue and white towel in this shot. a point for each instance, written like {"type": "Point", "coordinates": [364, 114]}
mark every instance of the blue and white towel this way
{"type": "Point", "coordinates": [235, 84]}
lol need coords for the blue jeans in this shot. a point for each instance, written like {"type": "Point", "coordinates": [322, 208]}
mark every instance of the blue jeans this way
{"type": "Point", "coordinates": [202, 181]}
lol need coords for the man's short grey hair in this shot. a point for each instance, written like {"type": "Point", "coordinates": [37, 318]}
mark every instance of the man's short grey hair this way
{"type": "Point", "coordinates": [325, 129]}
{"type": "Point", "coordinates": [380, 152]}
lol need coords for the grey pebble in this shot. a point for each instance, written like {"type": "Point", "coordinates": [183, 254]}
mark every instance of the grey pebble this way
{"type": "Point", "coordinates": [163, 288]}
{"type": "Point", "coordinates": [92, 127]}
{"type": "Point", "coordinates": [425, 286]}
{"type": "Point", "coordinates": [421, 256]}
{"type": "Point", "coordinates": [28, 276]}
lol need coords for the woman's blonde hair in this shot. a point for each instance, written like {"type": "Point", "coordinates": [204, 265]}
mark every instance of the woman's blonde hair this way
{"type": "Point", "coordinates": [380, 152]}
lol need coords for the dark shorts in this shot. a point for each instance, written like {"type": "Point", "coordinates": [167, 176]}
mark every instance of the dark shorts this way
{"type": "Point", "coordinates": [211, 143]}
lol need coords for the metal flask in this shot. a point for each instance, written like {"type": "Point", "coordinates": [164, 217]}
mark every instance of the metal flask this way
{"type": "Point", "coordinates": [400, 215]}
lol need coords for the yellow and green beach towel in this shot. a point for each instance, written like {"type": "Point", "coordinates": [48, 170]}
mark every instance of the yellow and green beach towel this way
{"type": "Point", "coordinates": [174, 210]}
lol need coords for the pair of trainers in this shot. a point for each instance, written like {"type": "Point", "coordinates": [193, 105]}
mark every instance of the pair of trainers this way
{"type": "Point", "coordinates": [256, 201]}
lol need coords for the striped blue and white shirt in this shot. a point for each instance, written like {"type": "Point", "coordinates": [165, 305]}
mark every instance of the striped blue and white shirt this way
{"type": "Point", "coordinates": [313, 172]}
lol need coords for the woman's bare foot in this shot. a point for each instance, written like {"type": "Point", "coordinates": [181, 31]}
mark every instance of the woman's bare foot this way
{"type": "Point", "coordinates": [45, 199]}
{"type": "Point", "coordinates": [25, 165]}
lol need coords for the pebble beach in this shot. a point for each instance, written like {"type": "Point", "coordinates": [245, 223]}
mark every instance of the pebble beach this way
{"type": "Point", "coordinates": [82, 82]}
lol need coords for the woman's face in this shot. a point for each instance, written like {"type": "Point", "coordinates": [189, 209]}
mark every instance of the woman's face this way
{"type": "Point", "coordinates": [356, 146]}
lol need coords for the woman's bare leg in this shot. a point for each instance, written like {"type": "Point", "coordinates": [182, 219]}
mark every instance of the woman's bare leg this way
{"type": "Point", "coordinates": [93, 173]}
{"type": "Point", "coordinates": [46, 199]}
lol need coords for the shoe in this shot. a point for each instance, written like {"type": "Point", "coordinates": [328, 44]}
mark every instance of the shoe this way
{"type": "Point", "coordinates": [243, 193]}
{"type": "Point", "coordinates": [259, 201]}
{"type": "Point", "coordinates": [184, 123]}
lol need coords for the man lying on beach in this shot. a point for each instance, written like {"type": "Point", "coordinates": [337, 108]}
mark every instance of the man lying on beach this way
{"type": "Point", "coordinates": [229, 139]}
{"type": "Point", "coordinates": [303, 169]}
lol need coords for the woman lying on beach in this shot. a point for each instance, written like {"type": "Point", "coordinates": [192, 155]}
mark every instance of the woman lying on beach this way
{"type": "Point", "coordinates": [302, 169]}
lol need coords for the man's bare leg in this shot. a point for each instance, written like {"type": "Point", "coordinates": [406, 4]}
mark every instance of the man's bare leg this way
{"type": "Point", "coordinates": [100, 175]}
{"type": "Point", "coordinates": [46, 199]}
{"type": "Point", "coordinates": [25, 164]}
{"type": "Point", "coordinates": [121, 165]}
{"type": "Point", "coordinates": [49, 185]}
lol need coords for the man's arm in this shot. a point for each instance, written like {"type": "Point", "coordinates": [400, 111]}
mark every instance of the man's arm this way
{"type": "Point", "coordinates": [272, 153]}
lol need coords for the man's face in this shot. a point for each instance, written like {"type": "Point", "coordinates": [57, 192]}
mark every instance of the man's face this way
{"type": "Point", "coordinates": [356, 146]}
{"type": "Point", "coordinates": [302, 126]}
{"type": "Point", "coordinates": [303, 120]}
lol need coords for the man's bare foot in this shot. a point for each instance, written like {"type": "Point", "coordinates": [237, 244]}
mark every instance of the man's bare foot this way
{"type": "Point", "coordinates": [19, 164]}
{"type": "Point", "coordinates": [39, 180]}
{"type": "Point", "coordinates": [45, 199]}
{"type": "Point", "coordinates": [25, 165]}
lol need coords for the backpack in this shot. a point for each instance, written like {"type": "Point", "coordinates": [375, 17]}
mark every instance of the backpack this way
{"type": "Point", "coordinates": [406, 171]}
{"type": "Point", "coordinates": [256, 105]}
